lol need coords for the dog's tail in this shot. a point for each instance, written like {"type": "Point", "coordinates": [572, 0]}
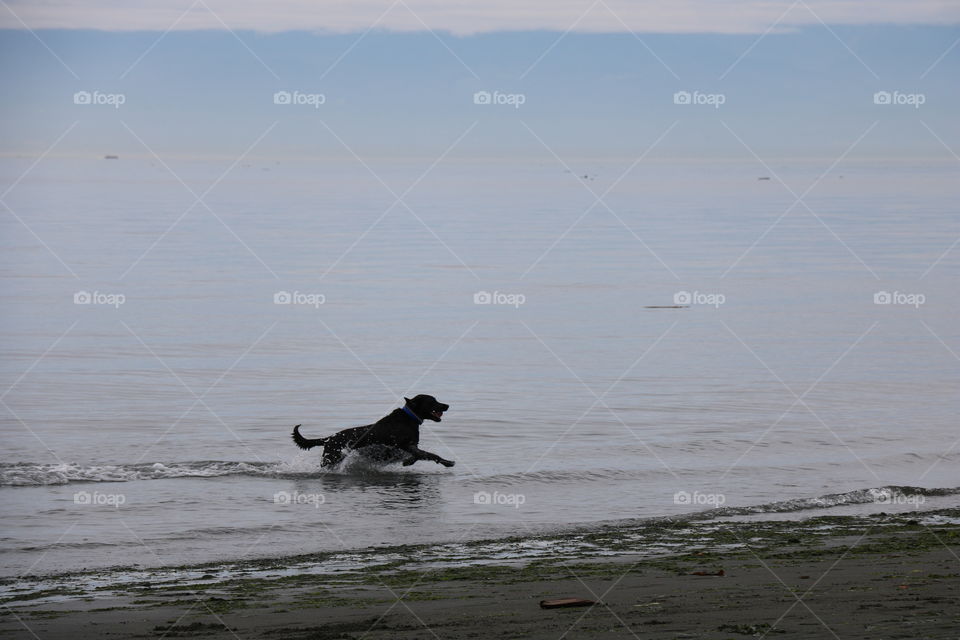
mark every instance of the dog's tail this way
{"type": "Point", "coordinates": [306, 443]}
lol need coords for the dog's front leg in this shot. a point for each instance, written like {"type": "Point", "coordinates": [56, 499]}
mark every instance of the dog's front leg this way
{"type": "Point", "coordinates": [420, 454]}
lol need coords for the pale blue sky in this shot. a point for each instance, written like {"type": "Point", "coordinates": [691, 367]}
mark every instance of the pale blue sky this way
{"type": "Point", "coordinates": [807, 92]}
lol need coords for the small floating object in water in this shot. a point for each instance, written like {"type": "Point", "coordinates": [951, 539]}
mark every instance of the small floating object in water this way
{"type": "Point", "coordinates": [111, 157]}
{"type": "Point", "coordinates": [718, 574]}
{"type": "Point", "coordinates": [763, 178]}
{"type": "Point", "coordinates": [566, 602]}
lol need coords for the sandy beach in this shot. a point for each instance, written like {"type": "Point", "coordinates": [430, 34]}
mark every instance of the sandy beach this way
{"type": "Point", "coordinates": [879, 576]}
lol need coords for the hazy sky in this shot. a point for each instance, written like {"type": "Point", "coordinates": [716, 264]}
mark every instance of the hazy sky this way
{"type": "Point", "coordinates": [597, 78]}
{"type": "Point", "coordinates": [468, 17]}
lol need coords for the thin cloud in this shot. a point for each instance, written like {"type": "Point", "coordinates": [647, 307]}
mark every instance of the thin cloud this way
{"type": "Point", "coordinates": [467, 17]}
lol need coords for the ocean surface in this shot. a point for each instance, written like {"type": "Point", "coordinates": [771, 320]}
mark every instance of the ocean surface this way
{"type": "Point", "coordinates": [659, 341]}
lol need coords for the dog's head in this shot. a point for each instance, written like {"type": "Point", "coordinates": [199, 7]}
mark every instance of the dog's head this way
{"type": "Point", "coordinates": [427, 407]}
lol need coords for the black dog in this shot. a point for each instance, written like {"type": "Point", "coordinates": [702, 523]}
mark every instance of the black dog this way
{"type": "Point", "coordinates": [392, 438]}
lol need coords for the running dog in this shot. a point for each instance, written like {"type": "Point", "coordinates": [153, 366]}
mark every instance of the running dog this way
{"type": "Point", "coordinates": [392, 438]}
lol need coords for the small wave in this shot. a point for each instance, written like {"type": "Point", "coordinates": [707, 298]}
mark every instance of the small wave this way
{"type": "Point", "coordinates": [27, 474]}
{"type": "Point", "coordinates": [31, 474]}
{"type": "Point", "coordinates": [892, 494]}
{"type": "Point", "coordinates": [560, 475]}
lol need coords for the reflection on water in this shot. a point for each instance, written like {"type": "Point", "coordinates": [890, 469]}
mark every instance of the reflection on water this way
{"type": "Point", "coordinates": [379, 489]}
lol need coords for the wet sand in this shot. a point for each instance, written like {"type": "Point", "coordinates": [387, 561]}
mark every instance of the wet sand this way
{"type": "Point", "coordinates": [846, 577]}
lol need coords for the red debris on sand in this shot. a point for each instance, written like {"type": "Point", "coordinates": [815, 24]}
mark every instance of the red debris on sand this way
{"type": "Point", "coordinates": [708, 573]}
{"type": "Point", "coordinates": [566, 602]}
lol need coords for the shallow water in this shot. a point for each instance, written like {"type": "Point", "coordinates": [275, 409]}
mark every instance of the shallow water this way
{"type": "Point", "coordinates": [157, 431]}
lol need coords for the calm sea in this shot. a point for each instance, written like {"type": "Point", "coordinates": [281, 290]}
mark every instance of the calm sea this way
{"type": "Point", "coordinates": [150, 379]}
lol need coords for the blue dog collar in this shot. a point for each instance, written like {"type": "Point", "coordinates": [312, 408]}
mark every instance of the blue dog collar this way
{"type": "Point", "coordinates": [410, 413]}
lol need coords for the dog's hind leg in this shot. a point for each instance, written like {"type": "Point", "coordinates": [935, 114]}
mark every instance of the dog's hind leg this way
{"type": "Point", "coordinates": [331, 457]}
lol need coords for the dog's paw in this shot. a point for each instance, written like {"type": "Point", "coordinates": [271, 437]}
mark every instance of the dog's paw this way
{"type": "Point", "coordinates": [447, 463]}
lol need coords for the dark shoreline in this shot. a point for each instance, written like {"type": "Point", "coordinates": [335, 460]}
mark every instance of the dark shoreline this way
{"type": "Point", "coordinates": [881, 575]}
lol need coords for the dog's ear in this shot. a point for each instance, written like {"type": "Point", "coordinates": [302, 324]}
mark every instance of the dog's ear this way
{"type": "Point", "coordinates": [406, 399]}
